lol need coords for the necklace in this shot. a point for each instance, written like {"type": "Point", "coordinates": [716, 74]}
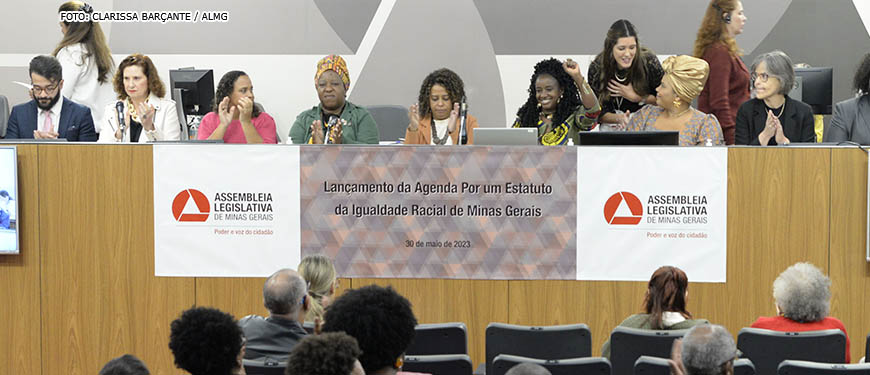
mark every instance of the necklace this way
{"type": "Point", "coordinates": [680, 114]}
{"type": "Point", "coordinates": [620, 79]}
{"type": "Point", "coordinates": [781, 111]}
{"type": "Point", "coordinates": [435, 138]}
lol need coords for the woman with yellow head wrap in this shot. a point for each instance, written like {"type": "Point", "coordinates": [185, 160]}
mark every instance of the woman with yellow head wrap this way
{"type": "Point", "coordinates": [334, 120]}
{"type": "Point", "coordinates": [683, 81]}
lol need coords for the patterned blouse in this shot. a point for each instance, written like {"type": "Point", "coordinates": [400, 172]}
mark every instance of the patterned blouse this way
{"type": "Point", "coordinates": [654, 74]}
{"type": "Point", "coordinates": [697, 130]}
{"type": "Point", "coordinates": [583, 119]}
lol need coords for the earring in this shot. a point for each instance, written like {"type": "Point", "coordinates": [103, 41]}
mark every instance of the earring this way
{"type": "Point", "coordinates": [677, 103]}
{"type": "Point", "coordinates": [539, 106]}
{"type": "Point", "coordinates": [399, 362]}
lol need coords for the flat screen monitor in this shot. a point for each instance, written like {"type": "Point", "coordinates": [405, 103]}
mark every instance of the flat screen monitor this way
{"type": "Point", "coordinates": [505, 136]}
{"type": "Point", "coordinates": [197, 89]}
{"type": "Point", "coordinates": [815, 86]}
{"type": "Point", "coordinates": [8, 200]}
{"type": "Point", "coordinates": [640, 138]}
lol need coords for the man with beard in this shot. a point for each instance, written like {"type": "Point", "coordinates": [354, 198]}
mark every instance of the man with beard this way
{"type": "Point", "coordinates": [47, 116]}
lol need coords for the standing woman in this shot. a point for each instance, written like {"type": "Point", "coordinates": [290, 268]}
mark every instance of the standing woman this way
{"type": "Point", "coordinates": [728, 85]}
{"type": "Point", "coordinates": [438, 103]}
{"type": "Point", "coordinates": [86, 60]}
{"type": "Point", "coordinates": [624, 75]}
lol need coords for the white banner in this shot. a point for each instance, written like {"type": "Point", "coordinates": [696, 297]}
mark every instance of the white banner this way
{"type": "Point", "coordinates": [225, 210]}
{"type": "Point", "coordinates": [642, 208]}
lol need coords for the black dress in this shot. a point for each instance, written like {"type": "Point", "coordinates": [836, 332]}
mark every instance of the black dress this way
{"type": "Point", "coordinates": [654, 74]}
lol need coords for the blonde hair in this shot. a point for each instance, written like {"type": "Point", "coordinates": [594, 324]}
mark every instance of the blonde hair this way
{"type": "Point", "coordinates": [320, 274]}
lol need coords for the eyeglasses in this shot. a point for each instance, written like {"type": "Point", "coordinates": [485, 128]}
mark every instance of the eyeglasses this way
{"type": "Point", "coordinates": [763, 77]}
{"type": "Point", "coordinates": [48, 90]}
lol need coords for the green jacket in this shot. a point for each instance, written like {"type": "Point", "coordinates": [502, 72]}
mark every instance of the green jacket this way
{"type": "Point", "coordinates": [642, 321]}
{"type": "Point", "coordinates": [360, 129]}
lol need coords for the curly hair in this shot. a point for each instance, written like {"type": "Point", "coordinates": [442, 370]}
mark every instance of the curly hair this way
{"type": "Point", "coordinates": [862, 76]}
{"type": "Point", "coordinates": [205, 341]}
{"type": "Point", "coordinates": [381, 321]}
{"type": "Point", "coordinates": [667, 292]}
{"type": "Point", "coordinates": [803, 293]}
{"type": "Point", "coordinates": [446, 78]}
{"type": "Point", "coordinates": [91, 35]}
{"type": "Point", "coordinates": [225, 88]}
{"type": "Point", "coordinates": [609, 67]}
{"type": "Point", "coordinates": [714, 29]}
{"type": "Point", "coordinates": [126, 364]}
{"type": "Point", "coordinates": [528, 114]}
{"type": "Point", "coordinates": [325, 354]}
{"type": "Point", "coordinates": [155, 85]}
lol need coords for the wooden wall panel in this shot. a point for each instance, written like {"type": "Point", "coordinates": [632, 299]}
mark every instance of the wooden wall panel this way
{"type": "Point", "coordinates": [20, 277]}
{"type": "Point", "coordinates": [100, 298]}
{"type": "Point", "coordinates": [850, 271]}
{"type": "Point", "coordinates": [473, 302]}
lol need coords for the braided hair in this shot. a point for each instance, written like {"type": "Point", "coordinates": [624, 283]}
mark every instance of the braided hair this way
{"type": "Point", "coordinates": [528, 114]}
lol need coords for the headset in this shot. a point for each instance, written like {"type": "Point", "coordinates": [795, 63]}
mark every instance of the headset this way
{"type": "Point", "coordinates": [727, 17]}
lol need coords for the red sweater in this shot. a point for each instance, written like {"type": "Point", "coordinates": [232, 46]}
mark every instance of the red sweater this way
{"type": "Point", "coordinates": [726, 89]}
{"type": "Point", "coordinates": [783, 324]}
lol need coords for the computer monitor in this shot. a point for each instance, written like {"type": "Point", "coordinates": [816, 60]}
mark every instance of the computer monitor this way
{"type": "Point", "coordinates": [9, 200]}
{"type": "Point", "coordinates": [639, 138]}
{"type": "Point", "coordinates": [815, 86]}
{"type": "Point", "coordinates": [197, 89]}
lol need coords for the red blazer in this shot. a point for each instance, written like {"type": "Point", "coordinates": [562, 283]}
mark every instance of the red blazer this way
{"type": "Point", "coordinates": [727, 88]}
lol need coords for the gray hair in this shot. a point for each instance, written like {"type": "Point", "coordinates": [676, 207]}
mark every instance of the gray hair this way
{"type": "Point", "coordinates": [779, 66]}
{"type": "Point", "coordinates": [803, 293]}
{"type": "Point", "coordinates": [708, 349]}
{"type": "Point", "coordinates": [283, 292]}
{"type": "Point", "coordinates": [528, 369]}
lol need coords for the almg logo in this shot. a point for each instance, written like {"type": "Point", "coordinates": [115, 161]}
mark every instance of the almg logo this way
{"type": "Point", "coordinates": [615, 201]}
{"type": "Point", "coordinates": [199, 200]}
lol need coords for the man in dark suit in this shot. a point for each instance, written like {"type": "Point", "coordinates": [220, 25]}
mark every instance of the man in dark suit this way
{"type": "Point", "coordinates": [49, 115]}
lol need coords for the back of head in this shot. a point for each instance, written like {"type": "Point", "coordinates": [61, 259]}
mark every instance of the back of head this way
{"type": "Point", "coordinates": [89, 34]}
{"type": "Point", "coordinates": [48, 67]}
{"type": "Point", "coordinates": [667, 292]}
{"type": "Point", "coordinates": [331, 353]}
{"type": "Point", "coordinates": [803, 293]}
{"type": "Point", "coordinates": [708, 349]}
{"type": "Point", "coordinates": [283, 292]}
{"type": "Point", "coordinates": [528, 369]}
{"type": "Point", "coordinates": [319, 273]}
{"type": "Point", "coordinates": [125, 365]}
{"type": "Point", "coordinates": [381, 321]}
{"type": "Point", "coordinates": [205, 341]}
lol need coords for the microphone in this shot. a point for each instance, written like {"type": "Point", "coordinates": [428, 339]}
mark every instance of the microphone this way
{"type": "Point", "coordinates": [463, 116]}
{"type": "Point", "coordinates": [119, 108]}
{"type": "Point", "coordinates": [332, 121]}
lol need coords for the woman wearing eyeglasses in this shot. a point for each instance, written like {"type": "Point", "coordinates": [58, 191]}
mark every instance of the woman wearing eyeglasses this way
{"type": "Point", "coordinates": [772, 118]}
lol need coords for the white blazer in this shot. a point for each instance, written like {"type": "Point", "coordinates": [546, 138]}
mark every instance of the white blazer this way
{"type": "Point", "coordinates": [80, 81]}
{"type": "Point", "coordinates": [166, 125]}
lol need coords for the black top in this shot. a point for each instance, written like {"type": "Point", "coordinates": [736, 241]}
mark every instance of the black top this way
{"type": "Point", "coordinates": [135, 131]}
{"type": "Point", "coordinates": [654, 74]}
{"type": "Point", "coordinates": [797, 121]}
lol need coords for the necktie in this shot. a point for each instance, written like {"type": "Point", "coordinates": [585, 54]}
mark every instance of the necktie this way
{"type": "Point", "coordinates": [47, 125]}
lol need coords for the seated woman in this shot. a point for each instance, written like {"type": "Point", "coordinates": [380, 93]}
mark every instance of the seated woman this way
{"type": "Point", "coordinates": [683, 80]}
{"type": "Point", "coordinates": [235, 118]}
{"type": "Point", "coordinates": [148, 116]}
{"type": "Point", "coordinates": [344, 121]}
{"type": "Point", "coordinates": [851, 121]}
{"type": "Point", "coordinates": [664, 305]}
{"type": "Point", "coordinates": [439, 101]}
{"type": "Point", "coordinates": [772, 117]}
{"type": "Point", "coordinates": [319, 273]}
{"type": "Point", "coordinates": [624, 75]}
{"type": "Point", "coordinates": [556, 107]}
{"type": "Point", "coordinates": [803, 300]}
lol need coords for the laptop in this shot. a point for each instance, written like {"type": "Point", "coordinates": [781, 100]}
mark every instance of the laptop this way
{"type": "Point", "coordinates": [623, 138]}
{"type": "Point", "coordinates": [505, 136]}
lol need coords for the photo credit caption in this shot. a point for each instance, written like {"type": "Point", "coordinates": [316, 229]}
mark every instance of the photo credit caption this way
{"type": "Point", "coordinates": [174, 16]}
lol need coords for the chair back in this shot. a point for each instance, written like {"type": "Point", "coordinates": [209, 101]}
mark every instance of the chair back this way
{"type": "Point", "coordinates": [791, 367]}
{"type": "Point", "coordinates": [647, 365]}
{"type": "Point", "coordinates": [4, 115]}
{"type": "Point", "coordinates": [628, 344]}
{"type": "Point", "coordinates": [253, 367]}
{"type": "Point", "coordinates": [548, 342]}
{"type": "Point", "coordinates": [392, 121]}
{"type": "Point", "coordinates": [448, 364]}
{"type": "Point", "coordinates": [768, 348]}
{"type": "Point", "coordinates": [441, 338]}
{"type": "Point", "coordinates": [570, 366]}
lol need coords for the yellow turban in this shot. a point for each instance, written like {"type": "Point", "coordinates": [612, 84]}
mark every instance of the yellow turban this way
{"type": "Point", "coordinates": [336, 64]}
{"type": "Point", "coordinates": [687, 75]}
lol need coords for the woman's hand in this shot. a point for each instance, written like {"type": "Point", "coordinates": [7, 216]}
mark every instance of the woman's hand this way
{"type": "Point", "coordinates": [452, 121]}
{"type": "Point", "coordinates": [414, 114]}
{"type": "Point", "coordinates": [226, 112]}
{"type": "Point", "coordinates": [146, 115]}
{"type": "Point", "coordinates": [246, 108]}
{"type": "Point", "coordinates": [622, 125]}
{"type": "Point", "coordinates": [317, 132]}
{"type": "Point", "coordinates": [769, 129]}
{"type": "Point", "coordinates": [780, 135]}
{"type": "Point", "coordinates": [573, 69]}
{"type": "Point", "coordinates": [625, 91]}
{"type": "Point", "coordinates": [335, 131]}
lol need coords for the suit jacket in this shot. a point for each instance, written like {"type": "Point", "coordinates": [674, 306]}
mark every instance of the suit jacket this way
{"type": "Point", "coordinates": [76, 122]}
{"type": "Point", "coordinates": [271, 337]}
{"type": "Point", "coordinates": [726, 89]}
{"type": "Point", "coordinates": [851, 121]}
{"type": "Point", "coordinates": [797, 122]}
{"type": "Point", "coordinates": [423, 135]}
{"type": "Point", "coordinates": [166, 125]}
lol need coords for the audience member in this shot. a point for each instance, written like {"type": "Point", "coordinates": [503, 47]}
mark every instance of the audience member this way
{"type": "Point", "coordinates": [49, 115]}
{"type": "Point", "coordinates": [851, 121]}
{"type": "Point", "coordinates": [207, 341]}
{"type": "Point", "coordinates": [624, 75]}
{"type": "Point", "coordinates": [560, 103]}
{"type": "Point", "coordinates": [148, 115]}
{"type": "Point", "coordinates": [335, 118]}
{"type": "Point", "coordinates": [528, 369]}
{"type": "Point", "coordinates": [380, 320]}
{"type": "Point", "coordinates": [235, 118]}
{"type": "Point", "coordinates": [86, 60]}
{"type": "Point", "coordinates": [438, 103]}
{"type": "Point", "coordinates": [326, 354]}
{"type": "Point", "coordinates": [664, 305]}
{"type": "Point", "coordinates": [803, 301]}
{"type": "Point", "coordinates": [706, 349]}
{"type": "Point", "coordinates": [272, 338]}
{"type": "Point", "coordinates": [684, 79]}
{"type": "Point", "coordinates": [772, 117]}
{"type": "Point", "coordinates": [319, 272]}
{"type": "Point", "coordinates": [126, 364]}
{"type": "Point", "coordinates": [728, 86]}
